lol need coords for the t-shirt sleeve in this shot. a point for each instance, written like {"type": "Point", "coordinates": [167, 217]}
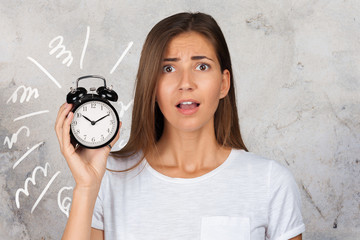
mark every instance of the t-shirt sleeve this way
{"type": "Point", "coordinates": [284, 216]}
{"type": "Point", "coordinates": [98, 215]}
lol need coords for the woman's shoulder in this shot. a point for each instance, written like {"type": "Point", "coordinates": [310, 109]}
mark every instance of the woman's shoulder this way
{"type": "Point", "coordinates": [119, 162]}
{"type": "Point", "coordinates": [258, 162]}
{"type": "Point", "coordinates": [249, 158]}
{"type": "Point", "coordinates": [272, 173]}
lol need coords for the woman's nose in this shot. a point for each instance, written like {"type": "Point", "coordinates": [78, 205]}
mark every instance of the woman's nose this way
{"type": "Point", "coordinates": [187, 81]}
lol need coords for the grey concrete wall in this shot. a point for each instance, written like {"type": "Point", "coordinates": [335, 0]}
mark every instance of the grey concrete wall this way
{"type": "Point", "coordinates": [296, 66]}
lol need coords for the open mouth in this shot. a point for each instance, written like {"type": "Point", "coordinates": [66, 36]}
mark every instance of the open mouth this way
{"type": "Point", "coordinates": [188, 105]}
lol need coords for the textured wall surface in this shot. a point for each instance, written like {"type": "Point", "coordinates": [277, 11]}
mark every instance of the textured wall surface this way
{"type": "Point", "coordinates": [297, 72]}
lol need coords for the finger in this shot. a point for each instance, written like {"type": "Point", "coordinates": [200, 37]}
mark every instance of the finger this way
{"type": "Point", "coordinates": [68, 147]}
{"type": "Point", "coordinates": [58, 114]}
{"type": "Point", "coordinates": [58, 125]}
{"type": "Point", "coordinates": [61, 109]}
{"type": "Point", "coordinates": [64, 110]}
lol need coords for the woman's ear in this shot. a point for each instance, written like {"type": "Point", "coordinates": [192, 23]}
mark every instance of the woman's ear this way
{"type": "Point", "coordinates": [225, 83]}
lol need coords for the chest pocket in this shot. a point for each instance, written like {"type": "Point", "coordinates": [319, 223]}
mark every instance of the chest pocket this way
{"type": "Point", "coordinates": [225, 228]}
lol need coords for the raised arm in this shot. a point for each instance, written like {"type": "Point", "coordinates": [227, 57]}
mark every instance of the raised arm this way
{"type": "Point", "coordinates": [88, 168]}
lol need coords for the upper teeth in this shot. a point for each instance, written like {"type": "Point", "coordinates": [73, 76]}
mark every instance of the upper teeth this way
{"type": "Point", "coordinates": [187, 103]}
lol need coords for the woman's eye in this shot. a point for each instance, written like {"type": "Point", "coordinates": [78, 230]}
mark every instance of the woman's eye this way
{"type": "Point", "coordinates": [203, 67]}
{"type": "Point", "coordinates": [168, 69]}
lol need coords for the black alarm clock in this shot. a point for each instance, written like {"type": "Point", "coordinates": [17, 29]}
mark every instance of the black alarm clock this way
{"type": "Point", "coordinates": [96, 122]}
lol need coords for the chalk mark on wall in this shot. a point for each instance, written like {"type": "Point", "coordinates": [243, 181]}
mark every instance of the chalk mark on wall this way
{"type": "Point", "coordinates": [26, 154]}
{"type": "Point", "coordinates": [32, 179]}
{"type": "Point", "coordinates": [121, 57]}
{"type": "Point", "coordinates": [30, 115]}
{"type": "Point", "coordinates": [15, 135]}
{"type": "Point", "coordinates": [45, 71]}
{"type": "Point", "coordinates": [69, 58]}
{"type": "Point", "coordinates": [27, 94]}
{"type": "Point", "coordinates": [124, 108]}
{"type": "Point", "coordinates": [85, 46]}
{"type": "Point", "coordinates": [65, 208]}
{"type": "Point", "coordinates": [44, 191]}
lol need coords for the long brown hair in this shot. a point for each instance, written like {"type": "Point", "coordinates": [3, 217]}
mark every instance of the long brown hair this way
{"type": "Point", "coordinates": [147, 120]}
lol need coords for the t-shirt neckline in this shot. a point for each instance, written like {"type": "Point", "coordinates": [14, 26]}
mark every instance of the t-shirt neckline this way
{"type": "Point", "coordinates": [190, 180]}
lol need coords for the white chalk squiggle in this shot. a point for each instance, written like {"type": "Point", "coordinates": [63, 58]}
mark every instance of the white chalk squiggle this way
{"type": "Point", "coordinates": [69, 59]}
{"type": "Point", "coordinates": [14, 137]}
{"type": "Point", "coordinates": [27, 91]}
{"type": "Point", "coordinates": [65, 208]}
{"type": "Point", "coordinates": [33, 180]}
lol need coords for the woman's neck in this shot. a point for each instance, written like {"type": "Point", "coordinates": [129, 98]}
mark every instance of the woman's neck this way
{"type": "Point", "coordinates": [189, 153]}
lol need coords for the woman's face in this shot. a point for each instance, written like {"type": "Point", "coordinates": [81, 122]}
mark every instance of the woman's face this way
{"type": "Point", "coordinates": [191, 83]}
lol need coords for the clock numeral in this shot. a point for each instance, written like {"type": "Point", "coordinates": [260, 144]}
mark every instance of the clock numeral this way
{"type": "Point", "coordinates": [93, 105]}
{"type": "Point", "coordinates": [74, 123]}
{"type": "Point", "coordinates": [78, 115]}
{"type": "Point", "coordinates": [108, 130]}
{"type": "Point", "coordinates": [77, 131]}
{"type": "Point", "coordinates": [84, 108]}
{"type": "Point", "coordinates": [85, 137]}
{"type": "Point", "coordinates": [93, 139]}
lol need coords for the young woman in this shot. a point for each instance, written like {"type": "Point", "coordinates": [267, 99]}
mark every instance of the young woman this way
{"type": "Point", "coordinates": [187, 173]}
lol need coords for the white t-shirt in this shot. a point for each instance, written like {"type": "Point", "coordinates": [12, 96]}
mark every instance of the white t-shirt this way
{"type": "Point", "coordinates": [246, 197]}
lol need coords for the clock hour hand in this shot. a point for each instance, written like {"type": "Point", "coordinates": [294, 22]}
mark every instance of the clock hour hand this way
{"type": "Point", "coordinates": [102, 118]}
{"type": "Point", "coordinates": [92, 122]}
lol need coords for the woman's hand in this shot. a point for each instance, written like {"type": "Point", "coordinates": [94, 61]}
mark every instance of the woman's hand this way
{"type": "Point", "coordinates": [87, 165]}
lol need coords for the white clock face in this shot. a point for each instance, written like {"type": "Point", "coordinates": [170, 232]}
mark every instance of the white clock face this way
{"type": "Point", "coordinates": [94, 124]}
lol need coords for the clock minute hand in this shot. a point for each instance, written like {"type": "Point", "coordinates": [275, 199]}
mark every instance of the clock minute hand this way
{"type": "Point", "coordinates": [92, 122]}
{"type": "Point", "coordinates": [101, 118]}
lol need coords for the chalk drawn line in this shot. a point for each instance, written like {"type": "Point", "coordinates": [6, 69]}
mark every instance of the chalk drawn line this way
{"type": "Point", "coordinates": [32, 179]}
{"type": "Point", "coordinates": [64, 208]}
{"type": "Point", "coordinates": [44, 191]}
{"type": "Point", "coordinates": [45, 71]}
{"type": "Point", "coordinates": [85, 46]}
{"type": "Point", "coordinates": [27, 94]}
{"type": "Point", "coordinates": [121, 57]}
{"type": "Point", "coordinates": [30, 115]}
{"type": "Point", "coordinates": [14, 137]}
{"type": "Point", "coordinates": [26, 154]}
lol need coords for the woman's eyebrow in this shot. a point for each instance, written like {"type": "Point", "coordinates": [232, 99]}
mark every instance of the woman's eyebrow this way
{"type": "Point", "coordinates": [200, 57]}
{"type": "Point", "coordinates": [192, 58]}
{"type": "Point", "coordinates": [171, 59]}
